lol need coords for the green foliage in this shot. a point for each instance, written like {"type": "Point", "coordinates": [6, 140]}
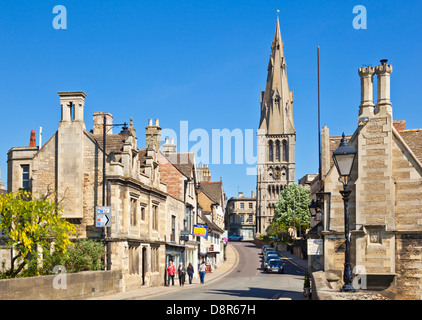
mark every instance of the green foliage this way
{"type": "Point", "coordinates": [292, 209]}
{"type": "Point", "coordinates": [27, 224]}
{"type": "Point", "coordinates": [84, 255]}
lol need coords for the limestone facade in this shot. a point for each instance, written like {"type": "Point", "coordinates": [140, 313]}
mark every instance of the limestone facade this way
{"type": "Point", "coordinates": [241, 215]}
{"type": "Point", "coordinates": [211, 208]}
{"type": "Point", "coordinates": [152, 199]}
{"type": "Point", "coordinates": [385, 206]}
{"type": "Point", "coordinates": [178, 172]}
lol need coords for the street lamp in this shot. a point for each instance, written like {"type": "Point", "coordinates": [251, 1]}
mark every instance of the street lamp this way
{"type": "Point", "coordinates": [344, 157]}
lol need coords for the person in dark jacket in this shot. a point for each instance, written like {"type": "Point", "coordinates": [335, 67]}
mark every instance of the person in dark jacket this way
{"type": "Point", "coordinates": [182, 274]}
{"type": "Point", "coordinates": [190, 272]}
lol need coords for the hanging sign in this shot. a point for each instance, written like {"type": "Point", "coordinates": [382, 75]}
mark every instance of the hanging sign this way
{"type": "Point", "coordinates": [200, 231]}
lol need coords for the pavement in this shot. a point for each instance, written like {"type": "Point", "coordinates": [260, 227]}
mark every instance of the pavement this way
{"type": "Point", "coordinates": [232, 260]}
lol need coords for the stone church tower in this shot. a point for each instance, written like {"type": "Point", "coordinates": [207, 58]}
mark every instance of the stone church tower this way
{"type": "Point", "coordinates": [276, 137]}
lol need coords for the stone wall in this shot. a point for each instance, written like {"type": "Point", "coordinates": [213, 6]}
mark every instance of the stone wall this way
{"type": "Point", "coordinates": [76, 286]}
{"type": "Point", "coordinates": [409, 266]}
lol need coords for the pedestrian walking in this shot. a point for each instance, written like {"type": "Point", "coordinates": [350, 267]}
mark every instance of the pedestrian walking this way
{"type": "Point", "coordinates": [171, 271]}
{"type": "Point", "coordinates": [190, 272]}
{"type": "Point", "coordinates": [202, 269]}
{"type": "Point", "coordinates": [182, 274]}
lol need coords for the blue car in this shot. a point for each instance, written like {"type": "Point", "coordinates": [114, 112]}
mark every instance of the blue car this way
{"type": "Point", "coordinates": [235, 237]}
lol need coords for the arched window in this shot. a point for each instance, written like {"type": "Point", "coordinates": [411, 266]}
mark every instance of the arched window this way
{"type": "Point", "coordinates": [277, 151]}
{"type": "Point", "coordinates": [285, 151]}
{"type": "Point", "coordinates": [270, 151]}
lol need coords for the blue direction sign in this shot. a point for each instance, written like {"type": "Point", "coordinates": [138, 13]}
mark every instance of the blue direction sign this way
{"type": "Point", "coordinates": [102, 217]}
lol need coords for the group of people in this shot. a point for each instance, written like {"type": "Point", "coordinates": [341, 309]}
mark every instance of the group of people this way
{"type": "Point", "coordinates": [181, 271]}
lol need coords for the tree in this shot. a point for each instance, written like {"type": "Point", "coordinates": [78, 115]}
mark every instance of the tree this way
{"type": "Point", "coordinates": [292, 209]}
{"type": "Point", "coordinates": [29, 224]}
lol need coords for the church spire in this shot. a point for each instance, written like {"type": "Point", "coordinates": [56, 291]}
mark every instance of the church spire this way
{"type": "Point", "coordinates": [277, 100]}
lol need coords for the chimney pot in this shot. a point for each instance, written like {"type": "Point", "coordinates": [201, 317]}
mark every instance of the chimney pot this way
{"type": "Point", "coordinates": [32, 142]}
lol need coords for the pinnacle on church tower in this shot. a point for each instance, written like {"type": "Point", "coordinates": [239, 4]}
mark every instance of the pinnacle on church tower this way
{"type": "Point", "coordinates": [277, 100]}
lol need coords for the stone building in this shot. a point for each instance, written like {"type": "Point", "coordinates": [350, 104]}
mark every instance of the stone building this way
{"type": "Point", "coordinates": [276, 137]}
{"type": "Point", "coordinates": [211, 200]}
{"type": "Point", "coordinates": [178, 172]}
{"type": "Point", "coordinates": [385, 205]}
{"type": "Point", "coordinates": [240, 214]}
{"type": "Point", "coordinates": [70, 165]}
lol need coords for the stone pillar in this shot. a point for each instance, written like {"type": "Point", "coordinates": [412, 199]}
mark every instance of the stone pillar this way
{"type": "Point", "coordinates": [325, 151]}
{"type": "Point", "coordinates": [366, 108]}
{"type": "Point", "coordinates": [70, 156]}
{"type": "Point", "coordinates": [374, 184]}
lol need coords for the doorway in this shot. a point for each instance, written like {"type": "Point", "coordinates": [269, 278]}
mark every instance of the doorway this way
{"type": "Point", "coordinates": [144, 264]}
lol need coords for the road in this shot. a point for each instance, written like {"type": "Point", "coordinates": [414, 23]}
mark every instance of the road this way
{"type": "Point", "coordinates": [248, 281]}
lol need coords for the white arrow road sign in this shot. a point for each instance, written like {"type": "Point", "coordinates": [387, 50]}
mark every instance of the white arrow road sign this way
{"type": "Point", "coordinates": [103, 217]}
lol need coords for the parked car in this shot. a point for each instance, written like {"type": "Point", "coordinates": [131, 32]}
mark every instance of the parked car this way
{"type": "Point", "coordinates": [265, 248]}
{"type": "Point", "coordinates": [235, 237]}
{"type": "Point", "coordinates": [269, 257]}
{"type": "Point", "coordinates": [269, 251]}
{"type": "Point", "coordinates": [275, 265]}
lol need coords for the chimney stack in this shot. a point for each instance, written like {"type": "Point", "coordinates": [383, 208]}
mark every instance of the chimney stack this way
{"type": "Point", "coordinates": [32, 142]}
{"type": "Point", "coordinates": [72, 103]}
{"type": "Point", "coordinates": [169, 147]}
{"type": "Point", "coordinates": [153, 135]}
{"type": "Point", "coordinates": [366, 108]}
{"type": "Point", "coordinates": [383, 72]}
{"type": "Point", "coordinates": [98, 122]}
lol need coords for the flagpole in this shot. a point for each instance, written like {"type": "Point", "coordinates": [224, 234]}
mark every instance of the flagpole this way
{"type": "Point", "coordinates": [319, 122]}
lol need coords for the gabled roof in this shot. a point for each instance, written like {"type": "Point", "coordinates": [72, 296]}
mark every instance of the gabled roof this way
{"type": "Point", "coordinates": [213, 227]}
{"type": "Point", "coordinates": [183, 161]}
{"type": "Point", "coordinates": [214, 190]}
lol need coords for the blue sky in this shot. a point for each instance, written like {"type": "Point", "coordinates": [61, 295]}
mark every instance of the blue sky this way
{"type": "Point", "coordinates": [204, 62]}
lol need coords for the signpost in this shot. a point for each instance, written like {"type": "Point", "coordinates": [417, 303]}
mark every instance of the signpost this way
{"type": "Point", "coordinates": [102, 217]}
{"type": "Point", "coordinates": [315, 247]}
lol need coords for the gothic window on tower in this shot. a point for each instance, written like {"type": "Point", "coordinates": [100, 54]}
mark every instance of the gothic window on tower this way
{"type": "Point", "coordinates": [285, 151]}
{"type": "Point", "coordinates": [270, 151]}
{"type": "Point", "coordinates": [277, 151]}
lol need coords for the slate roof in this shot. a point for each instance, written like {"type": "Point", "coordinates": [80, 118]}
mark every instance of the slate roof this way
{"type": "Point", "coordinates": [114, 142]}
{"type": "Point", "coordinates": [183, 161]}
{"type": "Point", "coordinates": [413, 138]}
